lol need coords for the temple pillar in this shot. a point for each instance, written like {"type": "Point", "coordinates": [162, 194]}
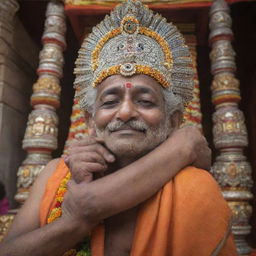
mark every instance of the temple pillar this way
{"type": "Point", "coordinates": [231, 168]}
{"type": "Point", "coordinates": [42, 127]}
{"type": "Point", "coordinates": [17, 73]}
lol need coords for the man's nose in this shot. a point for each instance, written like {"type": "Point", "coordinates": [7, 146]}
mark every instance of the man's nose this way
{"type": "Point", "coordinates": [127, 111]}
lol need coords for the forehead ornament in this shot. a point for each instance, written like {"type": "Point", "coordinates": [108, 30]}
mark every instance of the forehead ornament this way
{"type": "Point", "coordinates": [132, 40]}
{"type": "Point", "coordinates": [127, 69]}
{"type": "Point", "coordinates": [128, 85]}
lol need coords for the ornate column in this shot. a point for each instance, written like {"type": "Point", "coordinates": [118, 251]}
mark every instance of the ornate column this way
{"type": "Point", "coordinates": [41, 133]}
{"type": "Point", "coordinates": [231, 169]}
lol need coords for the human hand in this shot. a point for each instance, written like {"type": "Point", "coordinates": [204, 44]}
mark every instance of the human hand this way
{"type": "Point", "coordinates": [87, 156]}
{"type": "Point", "coordinates": [193, 145]}
{"type": "Point", "coordinates": [76, 206]}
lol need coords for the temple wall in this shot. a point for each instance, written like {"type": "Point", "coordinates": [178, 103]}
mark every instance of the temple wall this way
{"type": "Point", "coordinates": [18, 61]}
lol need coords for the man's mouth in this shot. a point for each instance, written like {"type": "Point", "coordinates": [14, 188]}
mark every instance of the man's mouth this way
{"type": "Point", "coordinates": [131, 126]}
{"type": "Point", "coordinates": [128, 129]}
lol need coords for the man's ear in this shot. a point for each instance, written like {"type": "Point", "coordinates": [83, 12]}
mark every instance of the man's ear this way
{"type": "Point", "coordinates": [91, 126]}
{"type": "Point", "coordinates": [176, 119]}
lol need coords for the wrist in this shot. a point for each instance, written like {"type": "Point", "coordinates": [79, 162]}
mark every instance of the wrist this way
{"type": "Point", "coordinates": [185, 152]}
{"type": "Point", "coordinates": [75, 226]}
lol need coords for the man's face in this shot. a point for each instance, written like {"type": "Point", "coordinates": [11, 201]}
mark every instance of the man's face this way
{"type": "Point", "coordinates": [130, 115]}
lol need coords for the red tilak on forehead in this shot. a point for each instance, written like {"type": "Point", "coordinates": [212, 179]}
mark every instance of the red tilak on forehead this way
{"type": "Point", "coordinates": [128, 85]}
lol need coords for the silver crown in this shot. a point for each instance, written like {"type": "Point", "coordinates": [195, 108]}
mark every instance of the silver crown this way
{"type": "Point", "coordinates": [133, 40]}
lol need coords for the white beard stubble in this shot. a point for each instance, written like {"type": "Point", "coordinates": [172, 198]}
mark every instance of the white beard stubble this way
{"type": "Point", "coordinates": [135, 149]}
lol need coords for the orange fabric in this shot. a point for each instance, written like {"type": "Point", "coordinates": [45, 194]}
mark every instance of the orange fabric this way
{"type": "Point", "coordinates": [97, 243]}
{"type": "Point", "coordinates": [52, 186]}
{"type": "Point", "coordinates": [187, 217]}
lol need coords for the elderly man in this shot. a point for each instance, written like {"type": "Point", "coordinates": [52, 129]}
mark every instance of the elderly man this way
{"type": "Point", "coordinates": [115, 193]}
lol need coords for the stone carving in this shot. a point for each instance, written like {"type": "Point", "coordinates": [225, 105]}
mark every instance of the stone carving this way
{"type": "Point", "coordinates": [28, 171]}
{"type": "Point", "coordinates": [56, 9]}
{"type": "Point", "coordinates": [41, 123]}
{"type": "Point", "coordinates": [222, 57]}
{"type": "Point", "coordinates": [47, 84]}
{"type": "Point", "coordinates": [225, 81]}
{"type": "Point", "coordinates": [5, 222]}
{"type": "Point", "coordinates": [41, 132]}
{"type": "Point", "coordinates": [46, 91]}
{"type": "Point", "coordinates": [26, 177]}
{"type": "Point", "coordinates": [218, 18]}
{"type": "Point", "coordinates": [8, 8]}
{"type": "Point", "coordinates": [229, 128]}
{"type": "Point", "coordinates": [55, 26]}
{"type": "Point", "coordinates": [222, 51]}
{"type": "Point", "coordinates": [52, 53]}
{"type": "Point", "coordinates": [241, 212]}
{"type": "Point", "coordinates": [231, 169]}
{"type": "Point", "coordinates": [225, 88]}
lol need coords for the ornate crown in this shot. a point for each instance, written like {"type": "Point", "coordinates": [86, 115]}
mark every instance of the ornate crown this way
{"type": "Point", "coordinates": [133, 40]}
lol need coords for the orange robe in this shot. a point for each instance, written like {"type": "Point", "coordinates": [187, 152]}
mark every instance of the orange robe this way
{"type": "Point", "coordinates": [187, 217]}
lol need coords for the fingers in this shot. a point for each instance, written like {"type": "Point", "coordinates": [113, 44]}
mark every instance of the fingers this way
{"type": "Point", "coordinates": [91, 144]}
{"type": "Point", "coordinates": [103, 151]}
{"type": "Point", "coordinates": [88, 167]}
{"type": "Point", "coordinates": [83, 171]}
{"type": "Point", "coordinates": [95, 152]}
{"type": "Point", "coordinates": [85, 160]}
{"type": "Point", "coordinates": [87, 156]}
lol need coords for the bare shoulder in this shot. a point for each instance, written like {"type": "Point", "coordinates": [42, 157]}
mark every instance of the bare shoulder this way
{"type": "Point", "coordinates": [47, 172]}
{"type": "Point", "coordinates": [27, 218]}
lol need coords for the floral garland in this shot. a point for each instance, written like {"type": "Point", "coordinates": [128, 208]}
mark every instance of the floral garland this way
{"type": "Point", "coordinates": [83, 248]}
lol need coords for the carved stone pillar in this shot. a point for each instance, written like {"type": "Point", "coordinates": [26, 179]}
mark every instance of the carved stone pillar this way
{"type": "Point", "coordinates": [231, 169]}
{"type": "Point", "coordinates": [42, 127]}
{"type": "Point", "coordinates": [8, 9]}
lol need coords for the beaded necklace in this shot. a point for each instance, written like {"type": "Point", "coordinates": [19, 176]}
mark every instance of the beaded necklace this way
{"type": "Point", "coordinates": [84, 248]}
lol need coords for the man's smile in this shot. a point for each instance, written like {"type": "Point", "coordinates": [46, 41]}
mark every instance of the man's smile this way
{"type": "Point", "coordinates": [130, 126]}
{"type": "Point", "coordinates": [127, 130]}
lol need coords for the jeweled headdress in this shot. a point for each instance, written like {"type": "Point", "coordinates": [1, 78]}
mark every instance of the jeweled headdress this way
{"type": "Point", "coordinates": [133, 40]}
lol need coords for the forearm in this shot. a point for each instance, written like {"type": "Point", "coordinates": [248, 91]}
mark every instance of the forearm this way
{"type": "Point", "coordinates": [53, 239]}
{"type": "Point", "coordinates": [135, 183]}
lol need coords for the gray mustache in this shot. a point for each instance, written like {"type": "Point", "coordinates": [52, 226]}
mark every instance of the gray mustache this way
{"type": "Point", "coordinates": [133, 124]}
